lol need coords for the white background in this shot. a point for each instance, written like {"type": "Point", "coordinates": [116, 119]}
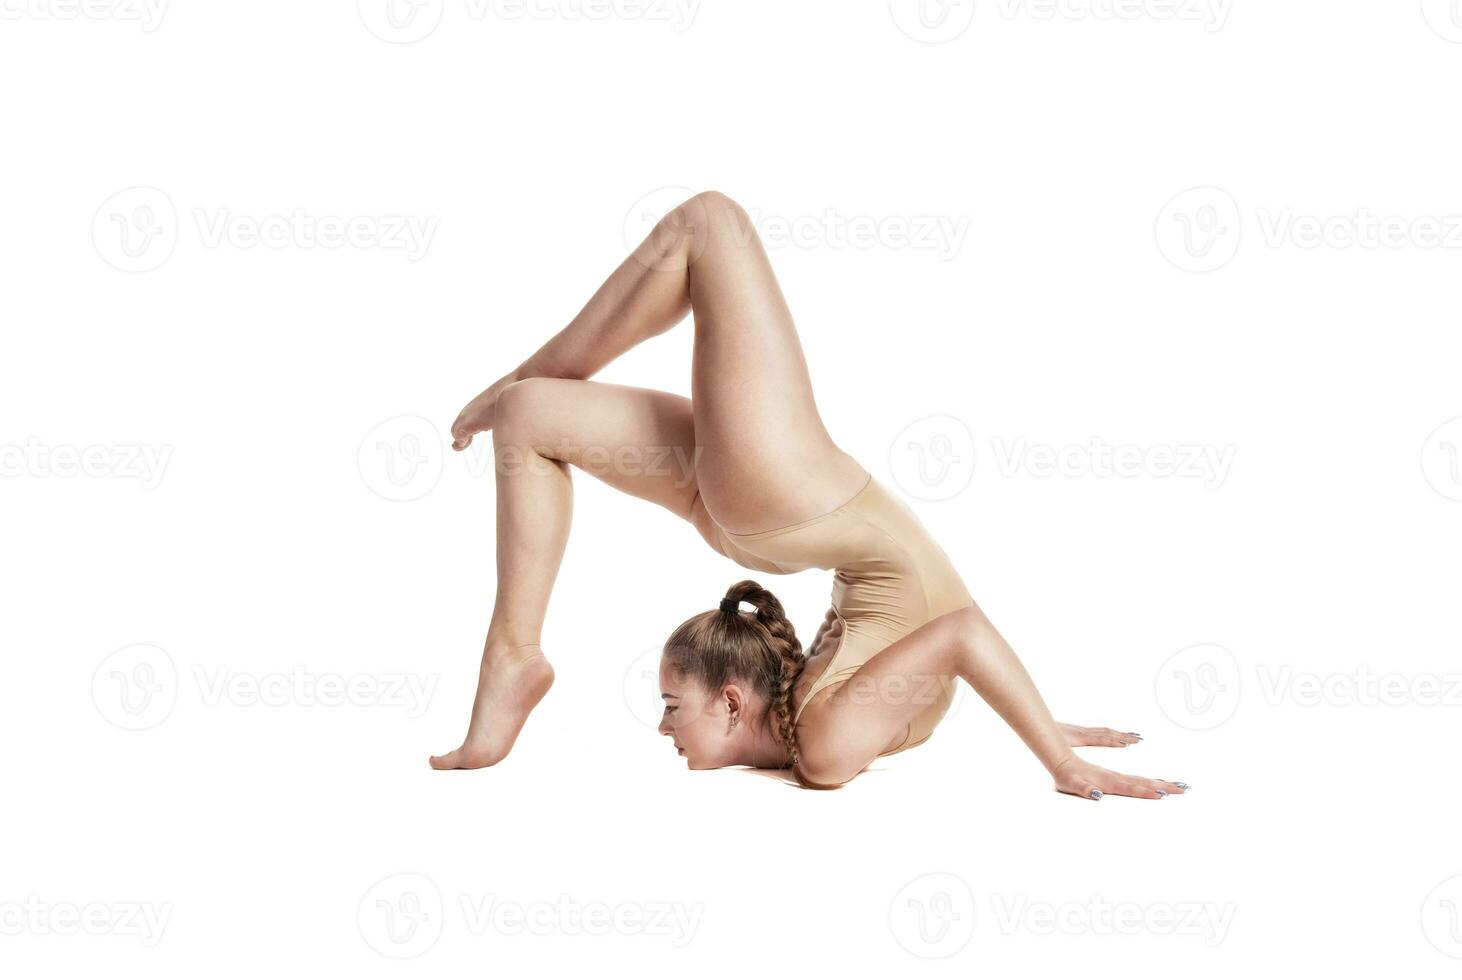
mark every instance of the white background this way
{"type": "Point", "coordinates": [275, 379]}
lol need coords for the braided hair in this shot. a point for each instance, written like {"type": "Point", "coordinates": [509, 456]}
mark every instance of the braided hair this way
{"type": "Point", "coordinates": [759, 648]}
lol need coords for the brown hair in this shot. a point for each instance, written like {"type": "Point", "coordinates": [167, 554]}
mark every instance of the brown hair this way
{"type": "Point", "coordinates": [759, 648]}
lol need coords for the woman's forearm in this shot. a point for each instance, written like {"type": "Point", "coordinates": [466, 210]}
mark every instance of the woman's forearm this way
{"type": "Point", "coordinates": [991, 667]}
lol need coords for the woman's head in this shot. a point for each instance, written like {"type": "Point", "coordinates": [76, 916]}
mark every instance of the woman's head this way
{"type": "Point", "coordinates": [727, 678]}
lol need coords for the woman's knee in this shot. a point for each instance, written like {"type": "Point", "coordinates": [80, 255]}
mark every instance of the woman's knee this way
{"type": "Point", "coordinates": [709, 215]}
{"type": "Point", "coordinates": [519, 404]}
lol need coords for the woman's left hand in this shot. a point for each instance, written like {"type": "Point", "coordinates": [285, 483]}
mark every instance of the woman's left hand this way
{"type": "Point", "coordinates": [1081, 778]}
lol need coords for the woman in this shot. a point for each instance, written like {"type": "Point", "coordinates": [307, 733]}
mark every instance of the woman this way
{"type": "Point", "coordinates": [764, 484]}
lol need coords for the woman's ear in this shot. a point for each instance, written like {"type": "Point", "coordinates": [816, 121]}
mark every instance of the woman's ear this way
{"type": "Point", "coordinates": [734, 701]}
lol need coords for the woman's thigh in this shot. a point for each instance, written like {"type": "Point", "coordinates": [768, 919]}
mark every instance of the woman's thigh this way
{"type": "Point", "coordinates": [637, 440]}
{"type": "Point", "coordinates": [765, 458]}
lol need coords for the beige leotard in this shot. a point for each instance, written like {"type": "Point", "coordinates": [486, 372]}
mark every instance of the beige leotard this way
{"type": "Point", "coordinates": [890, 579]}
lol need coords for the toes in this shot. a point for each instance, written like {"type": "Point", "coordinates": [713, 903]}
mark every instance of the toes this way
{"type": "Point", "coordinates": [448, 761]}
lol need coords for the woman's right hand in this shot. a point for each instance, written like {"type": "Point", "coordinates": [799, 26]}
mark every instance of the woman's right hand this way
{"type": "Point", "coordinates": [477, 415]}
{"type": "Point", "coordinates": [1081, 778]}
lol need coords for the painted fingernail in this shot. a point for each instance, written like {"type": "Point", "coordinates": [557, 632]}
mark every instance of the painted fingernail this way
{"type": "Point", "coordinates": [1135, 734]}
{"type": "Point", "coordinates": [1179, 785]}
{"type": "Point", "coordinates": [1161, 793]}
{"type": "Point", "coordinates": [1095, 794]}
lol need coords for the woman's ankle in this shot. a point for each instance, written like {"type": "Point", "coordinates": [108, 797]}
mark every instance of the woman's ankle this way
{"type": "Point", "coordinates": [505, 650]}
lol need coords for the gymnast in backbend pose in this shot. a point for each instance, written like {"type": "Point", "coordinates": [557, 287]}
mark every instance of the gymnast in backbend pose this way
{"type": "Point", "coordinates": [765, 485]}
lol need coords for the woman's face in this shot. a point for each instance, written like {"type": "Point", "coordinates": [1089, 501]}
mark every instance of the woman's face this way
{"type": "Point", "coordinates": [694, 718]}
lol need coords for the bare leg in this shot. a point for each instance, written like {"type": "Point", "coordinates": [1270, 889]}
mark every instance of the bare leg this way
{"type": "Point", "coordinates": [764, 457]}
{"type": "Point", "coordinates": [761, 455]}
{"type": "Point", "coordinates": [845, 730]}
{"type": "Point", "coordinates": [639, 441]}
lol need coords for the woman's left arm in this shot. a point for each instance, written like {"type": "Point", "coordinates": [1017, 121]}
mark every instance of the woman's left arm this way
{"type": "Point", "coordinates": [848, 729]}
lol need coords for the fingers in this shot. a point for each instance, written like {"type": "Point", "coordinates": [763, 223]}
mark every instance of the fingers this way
{"type": "Point", "coordinates": [1106, 737]}
{"type": "Point", "coordinates": [1143, 789]}
{"type": "Point", "coordinates": [1094, 783]}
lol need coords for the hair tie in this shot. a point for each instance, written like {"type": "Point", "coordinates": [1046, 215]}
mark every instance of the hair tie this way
{"type": "Point", "coordinates": [731, 605]}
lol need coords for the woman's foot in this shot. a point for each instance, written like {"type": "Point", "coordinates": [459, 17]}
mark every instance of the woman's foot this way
{"type": "Point", "coordinates": [1078, 735]}
{"type": "Point", "coordinates": [1080, 778]}
{"type": "Point", "coordinates": [478, 414]}
{"type": "Point", "coordinates": [512, 682]}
